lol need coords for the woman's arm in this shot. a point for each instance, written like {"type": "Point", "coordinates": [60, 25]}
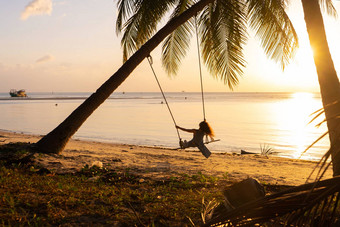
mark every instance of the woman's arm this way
{"type": "Point", "coordinates": [186, 130]}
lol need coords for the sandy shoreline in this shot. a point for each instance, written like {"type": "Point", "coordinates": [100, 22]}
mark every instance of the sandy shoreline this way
{"type": "Point", "coordinates": [162, 163]}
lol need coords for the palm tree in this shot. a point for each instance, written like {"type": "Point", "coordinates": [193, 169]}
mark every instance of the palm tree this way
{"type": "Point", "coordinates": [222, 32]}
{"type": "Point", "coordinates": [328, 80]}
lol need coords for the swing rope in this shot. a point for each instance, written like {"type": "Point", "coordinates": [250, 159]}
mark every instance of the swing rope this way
{"type": "Point", "coordinates": [166, 101]}
{"type": "Point", "coordinates": [150, 60]}
{"type": "Point", "coordinates": [200, 67]}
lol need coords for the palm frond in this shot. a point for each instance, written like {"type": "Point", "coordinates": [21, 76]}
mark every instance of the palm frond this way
{"type": "Point", "coordinates": [125, 9]}
{"type": "Point", "coordinates": [321, 111]}
{"type": "Point", "coordinates": [316, 114]}
{"type": "Point", "coordinates": [274, 28]}
{"type": "Point", "coordinates": [334, 150]}
{"type": "Point", "coordinates": [322, 166]}
{"type": "Point", "coordinates": [128, 41]}
{"type": "Point", "coordinates": [311, 145]}
{"type": "Point", "coordinates": [207, 209]}
{"type": "Point", "coordinates": [329, 7]}
{"type": "Point", "coordinates": [177, 43]}
{"type": "Point", "coordinates": [314, 204]}
{"type": "Point", "coordinates": [222, 29]}
{"type": "Point", "coordinates": [142, 24]}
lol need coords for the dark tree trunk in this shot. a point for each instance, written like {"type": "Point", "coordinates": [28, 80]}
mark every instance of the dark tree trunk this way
{"type": "Point", "coordinates": [328, 80]}
{"type": "Point", "coordinates": [56, 140]}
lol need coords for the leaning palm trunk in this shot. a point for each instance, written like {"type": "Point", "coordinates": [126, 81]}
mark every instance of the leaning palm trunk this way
{"type": "Point", "coordinates": [314, 204]}
{"type": "Point", "coordinates": [56, 140]}
{"type": "Point", "coordinates": [328, 80]}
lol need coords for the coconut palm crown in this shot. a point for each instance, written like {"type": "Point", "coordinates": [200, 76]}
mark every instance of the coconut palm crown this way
{"type": "Point", "coordinates": [221, 28]}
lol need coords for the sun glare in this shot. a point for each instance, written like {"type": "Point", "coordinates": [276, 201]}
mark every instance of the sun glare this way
{"type": "Point", "coordinates": [294, 120]}
{"type": "Point", "coordinates": [304, 56]}
{"type": "Point", "coordinates": [300, 97]}
{"type": "Point", "coordinates": [301, 73]}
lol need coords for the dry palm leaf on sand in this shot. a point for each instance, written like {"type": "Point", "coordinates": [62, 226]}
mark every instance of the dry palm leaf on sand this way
{"type": "Point", "coordinates": [313, 204]}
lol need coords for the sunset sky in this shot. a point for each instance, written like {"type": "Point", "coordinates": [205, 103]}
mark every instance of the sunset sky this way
{"type": "Point", "coordinates": [71, 45]}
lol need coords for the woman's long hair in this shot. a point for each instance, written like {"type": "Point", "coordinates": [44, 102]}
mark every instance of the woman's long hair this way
{"type": "Point", "coordinates": [205, 127]}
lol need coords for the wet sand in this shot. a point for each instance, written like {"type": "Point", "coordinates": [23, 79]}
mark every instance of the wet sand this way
{"type": "Point", "coordinates": [157, 162]}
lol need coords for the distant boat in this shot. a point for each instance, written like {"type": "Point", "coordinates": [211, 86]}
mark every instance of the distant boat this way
{"type": "Point", "coordinates": [20, 93]}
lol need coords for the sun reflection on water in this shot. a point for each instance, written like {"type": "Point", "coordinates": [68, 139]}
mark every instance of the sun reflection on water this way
{"type": "Point", "coordinates": [294, 117]}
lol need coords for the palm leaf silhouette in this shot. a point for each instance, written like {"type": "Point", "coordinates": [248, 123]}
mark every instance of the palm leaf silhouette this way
{"type": "Point", "coordinates": [313, 204]}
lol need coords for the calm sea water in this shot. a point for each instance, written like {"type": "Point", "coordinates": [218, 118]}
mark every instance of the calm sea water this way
{"type": "Point", "coordinates": [240, 120]}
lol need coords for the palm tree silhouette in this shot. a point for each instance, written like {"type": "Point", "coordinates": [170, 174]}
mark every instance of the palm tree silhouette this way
{"type": "Point", "coordinates": [222, 28]}
{"type": "Point", "coordinates": [328, 79]}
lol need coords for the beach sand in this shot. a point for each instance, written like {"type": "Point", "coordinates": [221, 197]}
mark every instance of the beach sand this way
{"type": "Point", "coordinates": [155, 162]}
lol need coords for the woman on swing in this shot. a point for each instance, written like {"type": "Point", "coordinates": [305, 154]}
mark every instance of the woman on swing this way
{"type": "Point", "coordinates": [197, 140]}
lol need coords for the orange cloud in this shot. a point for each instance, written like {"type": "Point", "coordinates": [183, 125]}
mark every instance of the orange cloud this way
{"type": "Point", "coordinates": [37, 7]}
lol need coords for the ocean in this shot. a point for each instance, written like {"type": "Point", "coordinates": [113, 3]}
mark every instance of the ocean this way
{"type": "Point", "coordinates": [241, 120]}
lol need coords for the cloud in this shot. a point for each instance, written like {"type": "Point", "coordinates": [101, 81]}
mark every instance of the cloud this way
{"type": "Point", "coordinates": [60, 3]}
{"type": "Point", "coordinates": [45, 58]}
{"type": "Point", "coordinates": [37, 7]}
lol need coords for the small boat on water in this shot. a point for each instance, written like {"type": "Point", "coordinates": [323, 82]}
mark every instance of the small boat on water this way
{"type": "Point", "coordinates": [20, 93]}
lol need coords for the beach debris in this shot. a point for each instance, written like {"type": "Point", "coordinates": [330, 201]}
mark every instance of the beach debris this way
{"type": "Point", "coordinates": [97, 164]}
{"type": "Point", "coordinates": [239, 194]}
{"type": "Point", "coordinates": [208, 209]}
{"type": "Point", "coordinates": [95, 178]}
{"type": "Point", "coordinates": [141, 180]}
{"type": "Point", "coordinates": [246, 152]}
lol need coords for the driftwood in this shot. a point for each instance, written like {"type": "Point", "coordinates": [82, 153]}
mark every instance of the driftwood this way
{"type": "Point", "coordinates": [247, 152]}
